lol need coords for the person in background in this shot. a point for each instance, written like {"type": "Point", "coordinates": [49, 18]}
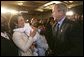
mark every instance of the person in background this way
{"type": "Point", "coordinates": [8, 48]}
{"type": "Point", "coordinates": [48, 34]}
{"type": "Point", "coordinates": [40, 41]}
{"type": "Point", "coordinates": [33, 20]}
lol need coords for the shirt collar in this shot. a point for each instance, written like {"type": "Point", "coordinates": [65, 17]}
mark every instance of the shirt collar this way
{"type": "Point", "coordinates": [61, 21]}
{"type": "Point", "coordinates": [4, 34]}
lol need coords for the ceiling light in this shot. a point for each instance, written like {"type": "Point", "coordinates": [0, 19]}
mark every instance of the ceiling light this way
{"type": "Point", "coordinates": [5, 10]}
{"type": "Point", "coordinates": [70, 1]}
{"type": "Point", "coordinates": [56, 2]}
{"type": "Point", "coordinates": [20, 3]}
{"type": "Point", "coordinates": [41, 10]}
{"type": "Point", "coordinates": [13, 11]}
{"type": "Point", "coordinates": [65, 1]}
{"type": "Point", "coordinates": [23, 11]}
{"type": "Point", "coordinates": [69, 13]}
{"type": "Point", "coordinates": [47, 5]}
{"type": "Point", "coordinates": [69, 7]}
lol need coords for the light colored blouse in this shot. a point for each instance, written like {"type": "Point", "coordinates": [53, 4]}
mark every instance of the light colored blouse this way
{"type": "Point", "coordinates": [23, 43]}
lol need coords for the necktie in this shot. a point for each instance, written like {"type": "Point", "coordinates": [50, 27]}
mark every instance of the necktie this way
{"type": "Point", "coordinates": [57, 27]}
{"type": "Point", "coordinates": [57, 30]}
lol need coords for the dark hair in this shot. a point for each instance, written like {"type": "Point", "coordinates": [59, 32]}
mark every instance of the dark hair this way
{"type": "Point", "coordinates": [35, 24]}
{"type": "Point", "coordinates": [13, 22]}
{"type": "Point", "coordinates": [4, 24]}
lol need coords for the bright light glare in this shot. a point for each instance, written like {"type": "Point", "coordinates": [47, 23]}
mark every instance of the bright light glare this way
{"type": "Point", "coordinates": [23, 11]}
{"type": "Point", "coordinates": [57, 2]}
{"type": "Point", "coordinates": [27, 20]}
{"type": "Point", "coordinates": [69, 13]}
{"type": "Point", "coordinates": [5, 10]}
{"type": "Point", "coordinates": [70, 1]}
{"type": "Point", "coordinates": [41, 10]}
{"type": "Point", "coordinates": [13, 11]}
{"type": "Point", "coordinates": [20, 3]}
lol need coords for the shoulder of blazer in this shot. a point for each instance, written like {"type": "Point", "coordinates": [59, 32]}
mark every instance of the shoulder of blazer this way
{"type": "Point", "coordinates": [54, 25]}
{"type": "Point", "coordinates": [68, 21]}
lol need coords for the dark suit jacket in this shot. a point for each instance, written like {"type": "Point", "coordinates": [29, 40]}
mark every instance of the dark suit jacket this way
{"type": "Point", "coordinates": [8, 48]}
{"type": "Point", "coordinates": [66, 41]}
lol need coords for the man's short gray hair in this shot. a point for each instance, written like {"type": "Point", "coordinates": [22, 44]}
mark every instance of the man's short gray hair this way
{"type": "Point", "coordinates": [62, 7]}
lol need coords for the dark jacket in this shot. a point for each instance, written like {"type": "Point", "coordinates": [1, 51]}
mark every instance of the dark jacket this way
{"type": "Point", "coordinates": [66, 41]}
{"type": "Point", "coordinates": [8, 48]}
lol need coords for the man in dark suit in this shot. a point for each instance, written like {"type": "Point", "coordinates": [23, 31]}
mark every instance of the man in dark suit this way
{"type": "Point", "coordinates": [65, 37]}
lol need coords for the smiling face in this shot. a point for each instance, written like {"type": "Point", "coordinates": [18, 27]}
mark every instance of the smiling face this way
{"type": "Point", "coordinates": [58, 12]}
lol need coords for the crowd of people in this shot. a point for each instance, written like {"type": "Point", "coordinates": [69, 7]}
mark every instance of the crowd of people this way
{"type": "Point", "coordinates": [56, 36]}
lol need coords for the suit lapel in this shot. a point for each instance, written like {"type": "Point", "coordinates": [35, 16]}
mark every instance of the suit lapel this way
{"type": "Point", "coordinates": [63, 24]}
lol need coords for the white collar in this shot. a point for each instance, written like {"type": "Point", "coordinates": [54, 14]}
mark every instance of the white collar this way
{"type": "Point", "coordinates": [19, 30]}
{"type": "Point", "coordinates": [61, 21]}
{"type": "Point", "coordinates": [5, 35]}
